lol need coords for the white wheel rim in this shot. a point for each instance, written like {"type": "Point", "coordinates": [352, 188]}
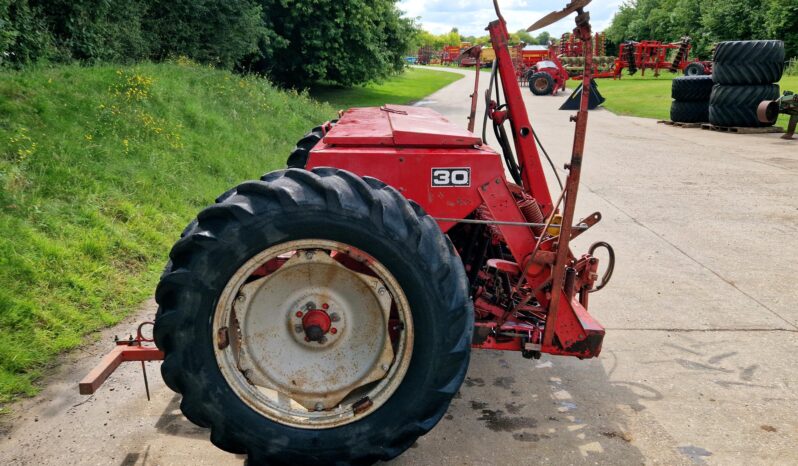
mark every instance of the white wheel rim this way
{"type": "Point", "coordinates": [267, 331]}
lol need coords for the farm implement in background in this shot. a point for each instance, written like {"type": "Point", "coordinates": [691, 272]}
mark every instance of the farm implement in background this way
{"type": "Point", "coordinates": [769, 110]}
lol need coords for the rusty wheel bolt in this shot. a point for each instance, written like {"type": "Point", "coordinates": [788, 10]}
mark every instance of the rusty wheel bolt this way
{"type": "Point", "coordinates": [333, 330]}
{"type": "Point", "coordinates": [299, 313]}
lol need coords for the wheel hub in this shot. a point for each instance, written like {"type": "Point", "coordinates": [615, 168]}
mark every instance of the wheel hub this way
{"type": "Point", "coordinates": [316, 323]}
{"type": "Point", "coordinates": [313, 337]}
{"type": "Point", "coordinates": [541, 84]}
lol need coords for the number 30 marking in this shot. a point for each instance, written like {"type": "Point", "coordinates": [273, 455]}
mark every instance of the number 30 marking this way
{"type": "Point", "coordinates": [451, 177]}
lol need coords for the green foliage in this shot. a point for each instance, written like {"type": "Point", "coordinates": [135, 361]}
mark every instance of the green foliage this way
{"type": "Point", "coordinates": [707, 22]}
{"type": "Point", "coordinates": [296, 43]}
{"type": "Point", "coordinates": [24, 37]}
{"type": "Point", "coordinates": [210, 31]}
{"type": "Point", "coordinates": [343, 42]}
{"type": "Point", "coordinates": [438, 41]}
{"type": "Point", "coordinates": [95, 30]}
{"type": "Point", "coordinates": [781, 22]}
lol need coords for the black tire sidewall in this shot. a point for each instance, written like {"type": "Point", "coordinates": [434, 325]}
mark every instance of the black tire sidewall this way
{"type": "Point", "coordinates": [689, 112]}
{"type": "Point", "coordinates": [241, 427]}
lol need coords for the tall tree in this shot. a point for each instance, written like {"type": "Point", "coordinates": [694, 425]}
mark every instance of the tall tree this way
{"type": "Point", "coordinates": [342, 41]}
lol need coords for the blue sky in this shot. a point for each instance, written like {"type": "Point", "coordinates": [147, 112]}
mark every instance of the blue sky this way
{"type": "Point", "coordinates": [472, 16]}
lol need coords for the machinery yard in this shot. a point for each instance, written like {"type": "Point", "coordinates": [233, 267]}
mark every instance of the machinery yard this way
{"type": "Point", "coordinates": [698, 322]}
{"type": "Point", "coordinates": [417, 280]}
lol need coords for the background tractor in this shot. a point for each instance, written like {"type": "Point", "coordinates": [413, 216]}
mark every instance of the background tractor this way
{"type": "Point", "coordinates": [547, 77]}
{"type": "Point", "coordinates": [325, 313]}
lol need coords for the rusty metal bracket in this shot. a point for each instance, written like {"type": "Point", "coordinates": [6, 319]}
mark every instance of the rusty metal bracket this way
{"type": "Point", "coordinates": [125, 351]}
{"type": "Point", "coordinates": [585, 224]}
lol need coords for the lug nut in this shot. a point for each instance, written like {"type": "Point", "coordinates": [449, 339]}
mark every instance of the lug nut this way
{"type": "Point", "coordinates": [310, 305]}
{"type": "Point", "coordinates": [298, 328]}
{"type": "Point", "coordinates": [320, 406]}
{"type": "Point", "coordinates": [333, 330]}
{"type": "Point", "coordinates": [299, 314]}
{"type": "Point", "coordinates": [335, 317]}
{"type": "Point", "coordinates": [325, 306]}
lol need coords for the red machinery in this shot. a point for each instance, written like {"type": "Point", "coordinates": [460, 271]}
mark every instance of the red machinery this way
{"type": "Point", "coordinates": [570, 46]}
{"type": "Point", "coordinates": [657, 56]}
{"type": "Point", "coordinates": [450, 54]}
{"type": "Point", "coordinates": [547, 77]}
{"type": "Point", "coordinates": [325, 313]}
{"type": "Point", "coordinates": [632, 56]}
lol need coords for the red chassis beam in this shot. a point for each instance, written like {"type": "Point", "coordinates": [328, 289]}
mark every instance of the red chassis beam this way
{"type": "Point", "coordinates": [124, 352]}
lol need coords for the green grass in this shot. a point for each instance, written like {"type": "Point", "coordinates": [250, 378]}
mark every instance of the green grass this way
{"type": "Point", "coordinates": [409, 87]}
{"type": "Point", "coordinates": [102, 167]}
{"type": "Point", "coordinates": [650, 97]}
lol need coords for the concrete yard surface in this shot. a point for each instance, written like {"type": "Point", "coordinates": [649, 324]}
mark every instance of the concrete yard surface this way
{"type": "Point", "coordinates": [698, 362]}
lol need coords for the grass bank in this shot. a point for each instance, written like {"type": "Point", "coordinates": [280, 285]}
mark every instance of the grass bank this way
{"type": "Point", "coordinates": [102, 167]}
{"type": "Point", "coordinates": [650, 97]}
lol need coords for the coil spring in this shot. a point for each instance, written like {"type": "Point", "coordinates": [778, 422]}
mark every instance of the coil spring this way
{"type": "Point", "coordinates": [532, 213]}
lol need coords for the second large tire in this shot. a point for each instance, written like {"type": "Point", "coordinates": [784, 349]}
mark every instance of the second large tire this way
{"type": "Point", "coordinates": [736, 105]}
{"type": "Point", "coordinates": [334, 205]}
{"type": "Point", "coordinates": [689, 112]}
{"type": "Point", "coordinates": [692, 88]}
{"type": "Point", "coordinates": [748, 62]}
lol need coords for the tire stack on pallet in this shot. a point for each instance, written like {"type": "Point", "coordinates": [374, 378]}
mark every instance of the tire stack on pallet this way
{"type": "Point", "coordinates": [745, 73]}
{"type": "Point", "coordinates": [691, 99]}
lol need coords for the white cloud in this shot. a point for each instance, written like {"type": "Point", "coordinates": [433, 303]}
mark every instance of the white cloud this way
{"type": "Point", "coordinates": [471, 17]}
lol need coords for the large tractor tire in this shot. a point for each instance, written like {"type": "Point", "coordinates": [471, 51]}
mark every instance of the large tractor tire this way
{"type": "Point", "coordinates": [748, 62]}
{"type": "Point", "coordinates": [691, 88]}
{"type": "Point", "coordinates": [736, 105]}
{"type": "Point", "coordinates": [314, 317]}
{"type": "Point", "coordinates": [541, 83]}
{"type": "Point", "coordinates": [689, 112]}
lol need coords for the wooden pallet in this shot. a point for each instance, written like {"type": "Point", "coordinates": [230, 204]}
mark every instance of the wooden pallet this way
{"type": "Point", "coordinates": [743, 130]}
{"type": "Point", "coordinates": [679, 124]}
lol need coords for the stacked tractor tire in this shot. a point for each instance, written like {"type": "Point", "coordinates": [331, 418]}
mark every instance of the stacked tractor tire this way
{"type": "Point", "coordinates": [691, 99]}
{"type": "Point", "coordinates": [744, 73]}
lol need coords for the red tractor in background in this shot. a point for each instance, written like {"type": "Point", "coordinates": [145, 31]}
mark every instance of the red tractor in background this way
{"type": "Point", "coordinates": [325, 313]}
{"type": "Point", "coordinates": [547, 77]}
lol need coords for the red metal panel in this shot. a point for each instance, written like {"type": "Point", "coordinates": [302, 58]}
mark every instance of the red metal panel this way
{"type": "Point", "coordinates": [361, 126]}
{"type": "Point", "coordinates": [419, 126]}
{"type": "Point", "coordinates": [410, 171]}
{"type": "Point", "coordinates": [398, 125]}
